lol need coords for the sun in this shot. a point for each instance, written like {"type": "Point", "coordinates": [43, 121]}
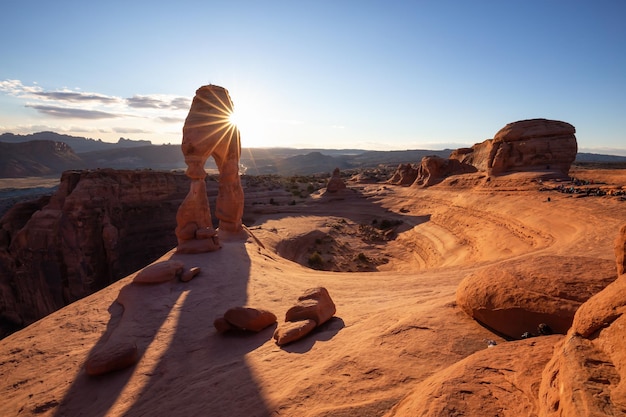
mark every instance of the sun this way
{"type": "Point", "coordinates": [233, 119]}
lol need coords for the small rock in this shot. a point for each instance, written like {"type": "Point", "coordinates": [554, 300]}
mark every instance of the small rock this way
{"type": "Point", "coordinates": [189, 274]}
{"type": "Point", "coordinates": [221, 325]}
{"type": "Point", "coordinates": [314, 304]}
{"type": "Point", "coordinates": [112, 358]}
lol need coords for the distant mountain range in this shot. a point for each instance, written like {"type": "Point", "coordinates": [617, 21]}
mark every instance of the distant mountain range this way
{"type": "Point", "coordinates": [49, 153]}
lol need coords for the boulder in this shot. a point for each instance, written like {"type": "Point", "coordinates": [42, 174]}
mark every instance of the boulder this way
{"type": "Point", "coordinates": [293, 330]}
{"type": "Point", "coordinates": [314, 304]}
{"type": "Point", "coordinates": [113, 358]}
{"type": "Point", "coordinates": [517, 296]}
{"type": "Point", "coordinates": [159, 272]}
{"type": "Point", "coordinates": [249, 318]}
{"type": "Point", "coordinates": [335, 183]}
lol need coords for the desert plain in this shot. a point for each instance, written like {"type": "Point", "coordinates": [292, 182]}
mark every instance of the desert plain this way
{"type": "Point", "coordinates": [396, 342]}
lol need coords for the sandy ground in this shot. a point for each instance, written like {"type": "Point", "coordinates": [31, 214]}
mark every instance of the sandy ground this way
{"type": "Point", "coordinates": [396, 321]}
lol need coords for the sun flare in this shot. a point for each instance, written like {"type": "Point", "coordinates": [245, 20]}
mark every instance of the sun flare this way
{"type": "Point", "coordinates": [233, 119]}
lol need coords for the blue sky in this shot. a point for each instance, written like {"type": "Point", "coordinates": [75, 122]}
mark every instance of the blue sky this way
{"type": "Point", "coordinates": [328, 74]}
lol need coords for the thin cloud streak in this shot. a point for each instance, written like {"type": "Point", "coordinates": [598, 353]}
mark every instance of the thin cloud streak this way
{"type": "Point", "coordinates": [71, 113]}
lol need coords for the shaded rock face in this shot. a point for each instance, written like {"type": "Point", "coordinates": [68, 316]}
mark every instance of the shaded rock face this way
{"type": "Point", "coordinates": [98, 227]}
{"type": "Point", "coordinates": [515, 297]}
{"type": "Point", "coordinates": [587, 373]}
{"type": "Point", "coordinates": [405, 174]}
{"type": "Point", "coordinates": [208, 132]}
{"type": "Point", "coordinates": [526, 145]}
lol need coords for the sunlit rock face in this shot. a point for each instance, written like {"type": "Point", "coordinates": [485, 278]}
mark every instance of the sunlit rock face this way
{"type": "Point", "coordinates": [209, 132]}
{"type": "Point", "coordinates": [526, 145]}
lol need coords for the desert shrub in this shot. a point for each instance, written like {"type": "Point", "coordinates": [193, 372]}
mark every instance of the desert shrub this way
{"type": "Point", "coordinates": [315, 260]}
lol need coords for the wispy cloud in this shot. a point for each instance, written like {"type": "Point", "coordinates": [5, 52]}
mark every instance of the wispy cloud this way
{"type": "Point", "coordinates": [92, 105]}
{"type": "Point", "coordinates": [166, 119]}
{"type": "Point", "coordinates": [75, 97]}
{"type": "Point", "coordinates": [72, 113]}
{"type": "Point", "coordinates": [129, 130]}
{"type": "Point", "coordinates": [159, 102]}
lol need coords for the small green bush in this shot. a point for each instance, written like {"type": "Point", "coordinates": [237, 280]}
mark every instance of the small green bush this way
{"type": "Point", "coordinates": [315, 260]}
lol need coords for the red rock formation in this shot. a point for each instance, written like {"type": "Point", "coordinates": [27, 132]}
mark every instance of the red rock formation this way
{"type": "Point", "coordinates": [405, 174]}
{"type": "Point", "coordinates": [335, 183]}
{"type": "Point", "coordinates": [245, 318]}
{"type": "Point", "coordinates": [499, 381]}
{"type": "Point", "coordinates": [515, 297]}
{"type": "Point", "coordinates": [431, 170]}
{"type": "Point", "coordinates": [98, 227]}
{"type": "Point", "coordinates": [313, 308]}
{"type": "Point", "coordinates": [587, 373]}
{"type": "Point", "coordinates": [208, 132]}
{"type": "Point", "coordinates": [526, 145]}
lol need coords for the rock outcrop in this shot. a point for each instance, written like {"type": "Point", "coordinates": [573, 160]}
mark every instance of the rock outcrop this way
{"type": "Point", "coordinates": [335, 183]}
{"type": "Point", "coordinates": [209, 132]}
{"type": "Point", "coordinates": [314, 308]}
{"type": "Point", "coordinates": [515, 297]}
{"type": "Point", "coordinates": [501, 381]}
{"type": "Point", "coordinates": [431, 170]}
{"type": "Point", "coordinates": [587, 373]}
{"type": "Point", "coordinates": [405, 174]}
{"type": "Point", "coordinates": [97, 228]}
{"type": "Point", "coordinates": [526, 145]}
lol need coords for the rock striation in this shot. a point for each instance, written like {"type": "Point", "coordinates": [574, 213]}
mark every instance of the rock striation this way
{"type": "Point", "coordinates": [98, 227]}
{"type": "Point", "coordinates": [525, 145]}
{"type": "Point", "coordinates": [209, 132]}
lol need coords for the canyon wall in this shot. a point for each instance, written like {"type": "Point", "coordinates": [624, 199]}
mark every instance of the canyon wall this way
{"type": "Point", "coordinates": [98, 227]}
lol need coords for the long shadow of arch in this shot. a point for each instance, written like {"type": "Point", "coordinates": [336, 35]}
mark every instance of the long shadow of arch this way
{"type": "Point", "coordinates": [183, 360]}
